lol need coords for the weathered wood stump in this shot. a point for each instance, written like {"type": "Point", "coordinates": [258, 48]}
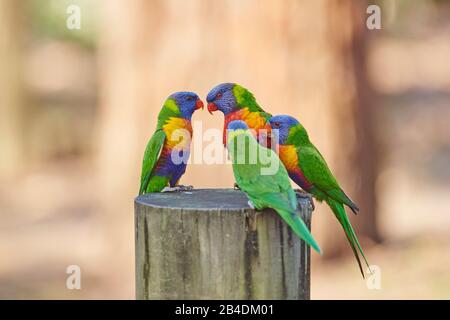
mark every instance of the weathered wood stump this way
{"type": "Point", "coordinates": [208, 244]}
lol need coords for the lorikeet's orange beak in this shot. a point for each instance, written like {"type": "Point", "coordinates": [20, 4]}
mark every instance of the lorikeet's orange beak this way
{"type": "Point", "coordinates": [199, 104]}
{"type": "Point", "coordinates": [212, 107]}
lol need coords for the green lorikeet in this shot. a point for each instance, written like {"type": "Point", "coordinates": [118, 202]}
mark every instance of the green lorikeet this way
{"type": "Point", "coordinates": [237, 103]}
{"type": "Point", "coordinates": [264, 179]}
{"type": "Point", "coordinates": [167, 152]}
{"type": "Point", "coordinates": [308, 169]}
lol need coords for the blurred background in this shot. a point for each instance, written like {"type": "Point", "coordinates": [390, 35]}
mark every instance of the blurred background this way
{"type": "Point", "coordinates": [79, 105]}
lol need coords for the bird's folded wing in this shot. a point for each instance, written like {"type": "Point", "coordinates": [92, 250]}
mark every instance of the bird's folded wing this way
{"type": "Point", "coordinates": [316, 171]}
{"type": "Point", "coordinates": [151, 156]}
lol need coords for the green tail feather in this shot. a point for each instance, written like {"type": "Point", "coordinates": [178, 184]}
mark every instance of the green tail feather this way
{"type": "Point", "coordinates": [299, 228]}
{"type": "Point", "coordinates": [341, 215]}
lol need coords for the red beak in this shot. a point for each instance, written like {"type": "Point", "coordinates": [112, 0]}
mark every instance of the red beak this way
{"type": "Point", "coordinates": [199, 104]}
{"type": "Point", "coordinates": [212, 107]}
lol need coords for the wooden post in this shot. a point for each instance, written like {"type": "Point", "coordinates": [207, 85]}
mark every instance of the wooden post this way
{"type": "Point", "coordinates": [208, 244]}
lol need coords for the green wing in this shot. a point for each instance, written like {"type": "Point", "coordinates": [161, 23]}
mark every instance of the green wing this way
{"type": "Point", "coordinates": [316, 171]}
{"type": "Point", "coordinates": [266, 191]}
{"type": "Point", "coordinates": [270, 191]}
{"type": "Point", "coordinates": [249, 175]}
{"type": "Point", "coordinates": [151, 156]}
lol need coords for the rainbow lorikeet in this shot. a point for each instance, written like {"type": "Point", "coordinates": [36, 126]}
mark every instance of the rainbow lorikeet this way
{"type": "Point", "coordinates": [237, 103]}
{"type": "Point", "coordinates": [167, 152]}
{"type": "Point", "coordinates": [264, 180]}
{"type": "Point", "coordinates": [308, 169]}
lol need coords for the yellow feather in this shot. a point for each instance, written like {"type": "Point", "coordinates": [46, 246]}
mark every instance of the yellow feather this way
{"type": "Point", "coordinates": [178, 132]}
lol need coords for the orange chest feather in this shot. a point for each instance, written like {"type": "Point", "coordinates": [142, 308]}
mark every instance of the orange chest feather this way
{"type": "Point", "coordinates": [254, 120]}
{"type": "Point", "coordinates": [178, 133]}
{"type": "Point", "coordinates": [288, 155]}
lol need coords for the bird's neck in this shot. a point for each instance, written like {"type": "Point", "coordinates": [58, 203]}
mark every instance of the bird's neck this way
{"type": "Point", "coordinates": [297, 136]}
{"type": "Point", "coordinates": [253, 119]}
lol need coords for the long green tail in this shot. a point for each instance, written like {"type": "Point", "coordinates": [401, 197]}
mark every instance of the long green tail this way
{"type": "Point", "coordinates": [299, 228]}
{"type": "Point", "coordinates": [341, 215]}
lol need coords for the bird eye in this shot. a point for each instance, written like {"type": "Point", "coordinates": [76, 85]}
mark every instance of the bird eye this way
{"type": "Point", "coordinates": [219, 95]}
{"type": "Point", "coordinates": [276, 124]}
{"type": "Point", "coordinates": [189, 98]}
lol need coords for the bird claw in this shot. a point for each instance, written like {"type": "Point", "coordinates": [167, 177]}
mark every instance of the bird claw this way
{"type": "Point", "coordinates": [186, 188]}
{"type": "Point", "coordinates": [236, 187]}
{"type": "Point", "coordinates": [303, 194]}
{"type": "Point", "coordinates": [251, 205]}
{"type": "Point", "coordinates": [179, 188]}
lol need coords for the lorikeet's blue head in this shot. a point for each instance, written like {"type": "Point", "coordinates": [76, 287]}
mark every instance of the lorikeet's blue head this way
{"type": "Point", "coordinates": [237, 125]}
{"type": "Point", "coordinates": [187, 103]}
{"type": "Point", "coordinates": [222, 98]}
{"type": "Point", "coordinates": [283, 124]}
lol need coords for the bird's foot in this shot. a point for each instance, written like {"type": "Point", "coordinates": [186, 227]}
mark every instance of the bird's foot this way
{"type": "Point", "coordinates": [251, 204]}
{"type": "Point", "coordinates": [179, 188]}
{"type": "Point", "coordinates": [303, 194]}
{"type": "Point", "coordinates": [236, 187]}
{"type": "Point", "coordinates": [185, 188]}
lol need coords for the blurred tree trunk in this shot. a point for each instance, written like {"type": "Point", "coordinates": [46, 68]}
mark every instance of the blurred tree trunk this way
{"type": "Point", "coordinates": [11, 93]}
{"type": "Point", "coordinates": [364, 158]}
{"type": "Point", "coordinates": [353, 113]}
{"type": "Point", "coordinates": [128, 41]}
{"type": "Point", "coordinates": [342, 113]}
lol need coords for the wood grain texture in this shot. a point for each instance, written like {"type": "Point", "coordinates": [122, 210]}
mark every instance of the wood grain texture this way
{"type": "Point", "coordinates": [208, 244]}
